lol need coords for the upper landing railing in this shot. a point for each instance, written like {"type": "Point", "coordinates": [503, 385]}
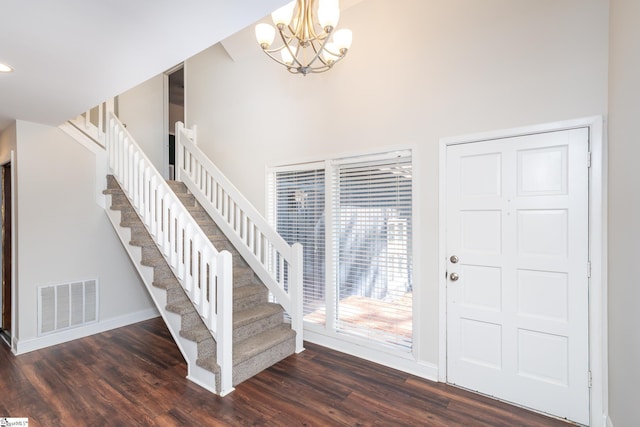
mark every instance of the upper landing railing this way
{"type": "Point", "coordinates": [94, 121]}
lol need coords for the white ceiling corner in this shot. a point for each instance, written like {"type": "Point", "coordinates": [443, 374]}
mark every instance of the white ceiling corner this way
{"type": "Point", "coordinates": [70, 55]}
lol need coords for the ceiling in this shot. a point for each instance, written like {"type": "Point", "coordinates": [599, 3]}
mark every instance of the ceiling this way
{"type": "Point", "coordinates": [70, 55]}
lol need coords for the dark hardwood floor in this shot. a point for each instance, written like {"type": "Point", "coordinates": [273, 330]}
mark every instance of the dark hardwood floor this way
{"type": "Point", "coordinates": [136, 376]}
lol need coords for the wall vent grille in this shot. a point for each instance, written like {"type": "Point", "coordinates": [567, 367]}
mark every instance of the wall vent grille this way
{"type": "Point", "coordinates": [67, 305]}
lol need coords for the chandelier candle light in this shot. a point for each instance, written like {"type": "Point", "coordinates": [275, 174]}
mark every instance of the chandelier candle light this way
{"type": "Point", "coordinates": [306, 27]}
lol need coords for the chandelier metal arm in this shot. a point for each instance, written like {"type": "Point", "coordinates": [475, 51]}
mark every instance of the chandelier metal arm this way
{"type": "Point", "coordinates": [308, 50]}
{"type": "Point", "coordinates": [319, 51]}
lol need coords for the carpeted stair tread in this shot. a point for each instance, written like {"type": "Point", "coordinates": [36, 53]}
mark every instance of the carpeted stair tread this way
{"type": "Point", "coordinates": [251, 347]}
{"type": "Point", "coordinates": [142, 242]}
{"type": "Point", "coordinates": [123, 204]}
{"type": "Point", "coordinates": [255, 314]}
{"type": "Point", "coordinates": [177, 186]}
{"type": "Point", "coordinates": [152, 261]}
{"type": "Point", "coordinates": [182, 307]}
{"type": "Point", "coordinates": [197, 334]}
{"type": "Point", "coordinates": [248, 291]}
{"type": "Point", "coordinates": [166, 283]}
{"type": "Point", "coordinates": [242, 276]}
{"type": "Point", "coordinates": [186, 199]}
{"type": "Point", "coordinates": [130, 223]}
{"type": "Point", "coordinates": [209, 363]}
{"type": "Point", "coordinates": [249, 295]}
{"type": "Point", "coordinates": [215, 238]}
{"type": "Point", "coordinates": [120, 207]}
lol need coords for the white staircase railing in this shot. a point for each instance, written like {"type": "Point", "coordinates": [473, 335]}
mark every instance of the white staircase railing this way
{"type": "Point", "coordinates": [278, 265]}
{"type": "Point", "coordinates": [204, 273]}
{"type": "Point", "coordinates": [93, 122]}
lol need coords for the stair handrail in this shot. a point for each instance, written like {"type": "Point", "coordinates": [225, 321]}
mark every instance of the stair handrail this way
{"type": "Point", "coordinates": [204, 272]}
{"type": "Point", "coordinates": [277, 264]}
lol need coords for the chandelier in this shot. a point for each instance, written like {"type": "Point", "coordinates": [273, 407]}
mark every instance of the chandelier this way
{"type": "Point", "coordinates": [309, 42]}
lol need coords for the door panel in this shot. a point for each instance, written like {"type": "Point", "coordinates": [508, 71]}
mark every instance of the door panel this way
{"type": "Point", "coordinates": [517, 316]}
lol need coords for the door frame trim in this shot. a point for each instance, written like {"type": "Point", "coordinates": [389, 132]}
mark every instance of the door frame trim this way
{"type": "Point", "coordinates": [597, 250]}
{"type": "Point", "coordinates": [165, 113]}
{"type": "Point", "coordinates": [11, 160]}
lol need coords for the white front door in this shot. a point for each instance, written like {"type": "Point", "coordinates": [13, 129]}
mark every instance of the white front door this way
{"type": "Point", "coordinates": [517, 264]}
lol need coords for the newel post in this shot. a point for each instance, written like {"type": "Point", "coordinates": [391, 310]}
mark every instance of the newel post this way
{"type": "Point", "coordinates": [224, 329]}
{"type": "Point", "coordinates": [179, 152]}
{"type": "Point", "coordinates": [297, 295]}
{"type": "Point", "coordinates": [183, 132]}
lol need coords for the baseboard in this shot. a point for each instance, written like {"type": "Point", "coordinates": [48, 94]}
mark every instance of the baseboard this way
{"type": "Point", "coordinates": [409, 365]}
{"type": "Point", "coordinates": [26, 346]}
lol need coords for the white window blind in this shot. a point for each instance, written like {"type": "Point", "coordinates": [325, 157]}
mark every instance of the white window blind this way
{"type": "Point", "coordinates": [364, 283]}
{"type": "Point", "coordinates": [299, 213]}
{"type": "Point", "coordinates": [372, 231]}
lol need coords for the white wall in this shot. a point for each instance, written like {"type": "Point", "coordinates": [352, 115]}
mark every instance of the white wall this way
{"type": "Point", "coordinates": [142, 110]}
{"type": "Point", "coordinates": [63, 234]}
{"type": "Point", "coordinates": [417, 71]}
{"type": "Point", "coordinates": [624, 211]}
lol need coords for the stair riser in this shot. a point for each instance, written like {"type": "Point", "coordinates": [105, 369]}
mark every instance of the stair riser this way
{"type": "Point", "coordinates": [176, 295]}
{"type": "Point", "coordinates": [187, 199]}
{"type": "Point", "coordinates": [129, 216]}
{"type": "Point", "coordinates": [209, 228]}
{"type": "Point", "coordinates": [262, 361]}
{"type": "Point", "coordinates": [166, 284]}
{"type": "Point", "coordinates": [151, 256]}
{"type": "Point", "coordinates": [217, 239]}
{"type": "Point", "coordinates": [140, 238]}
{"type": "Point", "coordinates": [198, 213]}
{"type": "Point", "coordinates": [144, 242]}
{"type": "Point", "coordinates": [247, 331]}
{"type": "Point", "coordinates": [190, 320]}
{"type": "Point", "coordinates": [207, 348]}
{"type": "Point", "coordinates": [178, 187]}
{"type": "Point", "coordinates": [112, 183]}
{"type": "Point", "coordinates": [250, 301]}
{"type": "Point", "coordinates": [224, 245]}
{"type": "Point", "coordinates": [243, 277]}
{"type": "Point", "coordinates": [152, 262]}
{"type": "Point", "coordinates": [118, 199]}
{"type": "Point", "coordinates": [239, 262]}
{"type": "Point", "coordinates": [163, 273]}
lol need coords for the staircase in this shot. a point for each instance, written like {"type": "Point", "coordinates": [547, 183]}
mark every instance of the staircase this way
{"type": "Point", "coordinates": [211, 279]}
{"type": "Point", "coordinates": [261, 337]}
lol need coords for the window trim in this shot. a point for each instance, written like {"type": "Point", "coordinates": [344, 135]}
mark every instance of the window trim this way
{"type": "Point", "coordinates": [404, 359]}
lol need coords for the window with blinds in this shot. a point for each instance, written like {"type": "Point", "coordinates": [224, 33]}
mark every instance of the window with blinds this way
{"type": "Point", "coordinates": [372, 230]}
{"type": "Point", "coordinates": [363, 285]}
{"type": "Point", "coordinates": [299, 212]}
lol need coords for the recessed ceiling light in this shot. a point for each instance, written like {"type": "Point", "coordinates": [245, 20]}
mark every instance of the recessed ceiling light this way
{"type": "Point", "coordinates": [4, 68]}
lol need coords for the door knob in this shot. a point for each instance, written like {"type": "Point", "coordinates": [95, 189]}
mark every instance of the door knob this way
{"type": "Point", "coordinates": [454, 277]}
{"type": "Point", "coordinates": [454, 259]}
